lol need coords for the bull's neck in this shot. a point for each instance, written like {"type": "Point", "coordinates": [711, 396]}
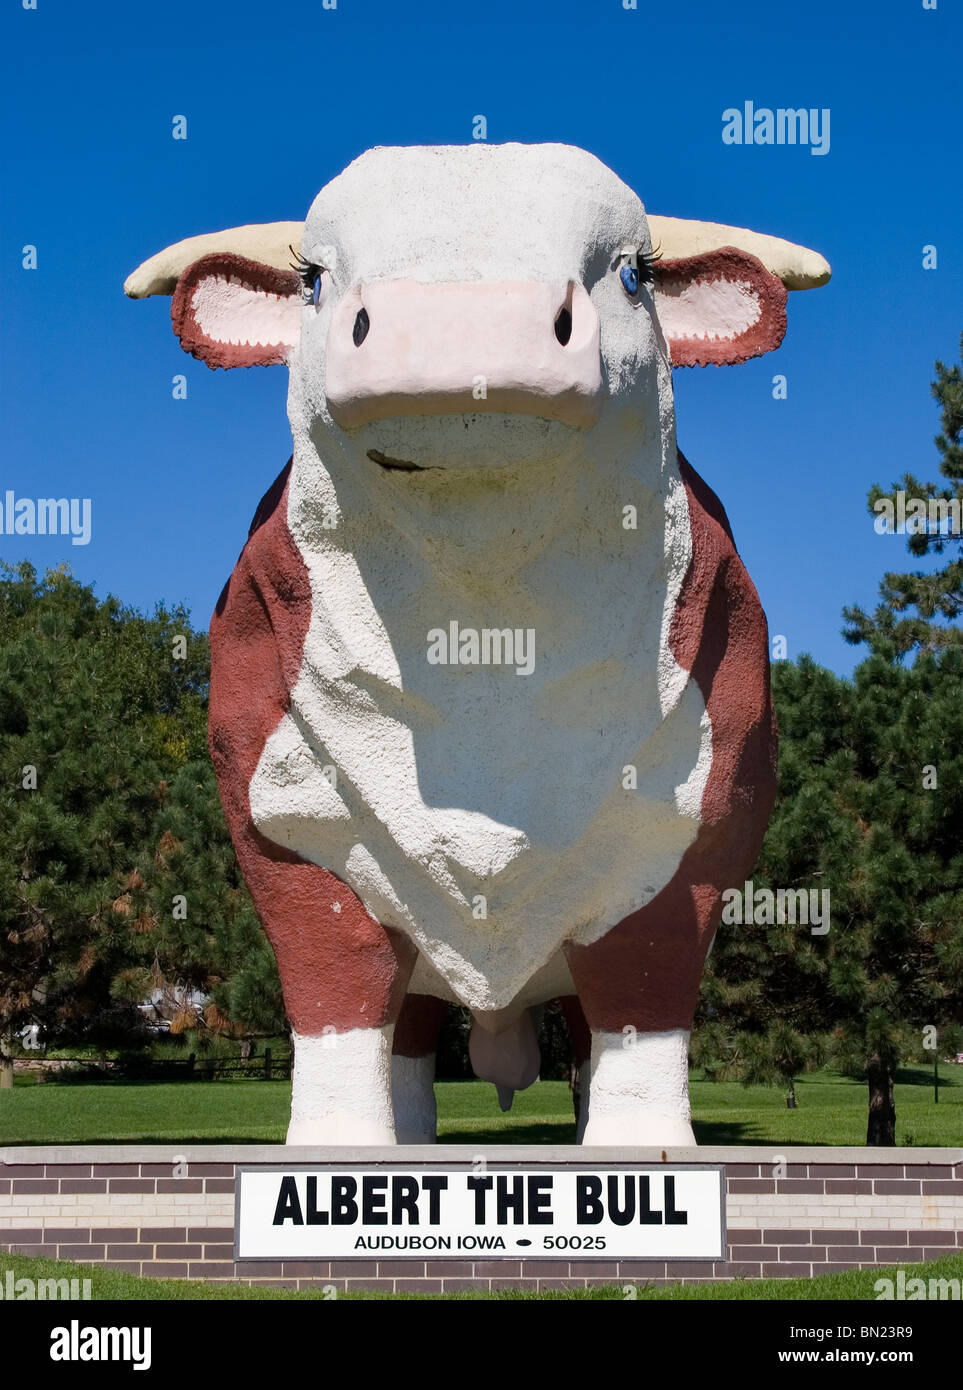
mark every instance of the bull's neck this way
{"type": "Point", "coordinates": [487, 532]}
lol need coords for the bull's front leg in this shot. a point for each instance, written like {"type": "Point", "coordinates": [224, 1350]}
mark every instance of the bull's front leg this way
{"type": "Point", "coordinates": [343, 975]}
{"type": "Point", "coordinates": [638, 1089]}
{"type": "Point", "coordinates": [638, 988]}
{"type": "Point", "coordinates": [341, 1088]}
{"type": "Point", "coordinates": [344, 979]}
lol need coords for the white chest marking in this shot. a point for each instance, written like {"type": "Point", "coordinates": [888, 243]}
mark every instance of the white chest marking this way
{"type": "Point", "coordinates": [483, 812]}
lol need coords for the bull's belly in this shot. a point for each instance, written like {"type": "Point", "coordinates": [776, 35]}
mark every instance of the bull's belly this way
{"type": "Point", "coordinates": [536, 850]}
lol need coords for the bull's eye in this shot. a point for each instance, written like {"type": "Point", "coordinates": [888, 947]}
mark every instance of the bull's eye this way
{"type": "Point", "coordinates": [312, 279]}
{"type": "Point", "coordinates": [636, 268]}
{"type": "Point", "coordinates": [629, 276]}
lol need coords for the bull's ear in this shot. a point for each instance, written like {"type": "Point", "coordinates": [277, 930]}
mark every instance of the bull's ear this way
{"type": "Point", "coordinates": [719, 307]}
{"type": "Point", "coordinates": [232, 312]}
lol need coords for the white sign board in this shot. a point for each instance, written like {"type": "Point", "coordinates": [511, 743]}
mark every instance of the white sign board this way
{"type": "Point", "coordinates": [334, 1211]}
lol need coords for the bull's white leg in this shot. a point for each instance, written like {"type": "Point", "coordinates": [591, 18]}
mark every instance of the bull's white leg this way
{"type": "Point", "coordinates": [341, 1092]}
{"type": "Point", "coordinates": [413, 1094]}
{"type": "Point", "coordinates": [640, 1089]}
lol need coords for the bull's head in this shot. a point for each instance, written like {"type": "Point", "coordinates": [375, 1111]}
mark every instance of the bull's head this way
{"type": "Point", "coordinates": [477, 305]}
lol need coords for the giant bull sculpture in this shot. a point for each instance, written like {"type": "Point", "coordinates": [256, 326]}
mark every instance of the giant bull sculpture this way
{"type": "Point", "coordinates": [490, 705]}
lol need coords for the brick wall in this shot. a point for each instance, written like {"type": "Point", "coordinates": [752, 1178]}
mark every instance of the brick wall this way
{"type": "Point", "coordinates": [169, 1211]}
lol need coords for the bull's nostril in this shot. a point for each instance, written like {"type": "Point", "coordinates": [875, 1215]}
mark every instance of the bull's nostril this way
{"type": "Point", "coordinates": [563, 326]}
{"type": "Point", "coordinates": [361, 326]}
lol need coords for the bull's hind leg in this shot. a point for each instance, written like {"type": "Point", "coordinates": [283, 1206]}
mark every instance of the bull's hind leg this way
{"type": "Point", "coordinates": [580, 1037]}
{"type": "Point", "coordinates": [638, 988]}
{"type": "Point", "coordinates": [413, 1068]}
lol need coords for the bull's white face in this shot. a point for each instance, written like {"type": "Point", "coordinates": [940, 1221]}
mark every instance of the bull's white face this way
{"type": "Point", "coordinates": [478, 308]}
{"type": "Point", "coordinates": [465, 307]}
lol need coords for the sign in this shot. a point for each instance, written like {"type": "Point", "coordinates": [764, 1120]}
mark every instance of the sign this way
{"type": "Point", "coordinates": [357, 1210]}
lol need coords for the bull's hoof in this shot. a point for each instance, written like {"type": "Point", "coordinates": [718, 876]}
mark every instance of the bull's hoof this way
{"type": "Point", "coordinates": [340, 1128]}
{"type": "Point", "coordinates": [643, 1130]}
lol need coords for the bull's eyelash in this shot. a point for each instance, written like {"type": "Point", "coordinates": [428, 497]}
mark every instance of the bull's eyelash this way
{"type": "Point", "coordinates": [647, 261]}
{"type": "Point", "coordinates": [305, 268]}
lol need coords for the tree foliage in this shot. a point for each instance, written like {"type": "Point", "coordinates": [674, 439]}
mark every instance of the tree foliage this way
{"type": "Point", "coordinates": [870, 806]}
{"type": "Point", "coordinates": [918, 610]}
{"type": "Point", "coordinates": [109, 809]}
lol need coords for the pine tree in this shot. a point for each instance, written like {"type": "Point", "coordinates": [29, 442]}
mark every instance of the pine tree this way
{"type": "Point", "coordinates": [765, 1010]}
{"type": "Point", "coordinates": [919, 611]}
{"type": "Point", "coordinates": [207, 940]}
{"type": "Point", "coordinates": [104, 788]}
{"type": "Point", "coordinates": [870, 803]}
{"type": "Point", "coordinates": [79, 767]}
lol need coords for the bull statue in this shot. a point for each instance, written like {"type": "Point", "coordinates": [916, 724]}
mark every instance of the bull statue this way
{"type": "Point", "coordinates": [490, 708]}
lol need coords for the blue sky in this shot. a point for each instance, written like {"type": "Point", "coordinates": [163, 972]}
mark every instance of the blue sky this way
{"type": "Point", "coordinates": [279, 98]}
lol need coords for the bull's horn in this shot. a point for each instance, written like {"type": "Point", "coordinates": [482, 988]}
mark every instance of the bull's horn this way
{"type": "Point", "coordinates": [267, 242]}
{"type": "Point", "coordinates": [797, 267]}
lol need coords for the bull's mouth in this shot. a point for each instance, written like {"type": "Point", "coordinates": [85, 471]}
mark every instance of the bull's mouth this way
{"type": "Point", "coordinates": [400, 465]}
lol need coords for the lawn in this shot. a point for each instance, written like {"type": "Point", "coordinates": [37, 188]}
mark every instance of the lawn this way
{"type": "Point", "coordinates": [109, 1284]}
{"type": "Point", "coordinates": [831, 1110]}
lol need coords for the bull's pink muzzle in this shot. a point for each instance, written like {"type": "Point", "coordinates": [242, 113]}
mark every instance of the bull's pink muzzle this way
{"type": "Point", "coordinates": [400, 347]}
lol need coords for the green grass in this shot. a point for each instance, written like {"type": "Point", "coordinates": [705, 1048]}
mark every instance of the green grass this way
{"type": "Point", "coordinates": [112, 1284]}
{"type": "Point", "coordinates": [831, 1110]}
